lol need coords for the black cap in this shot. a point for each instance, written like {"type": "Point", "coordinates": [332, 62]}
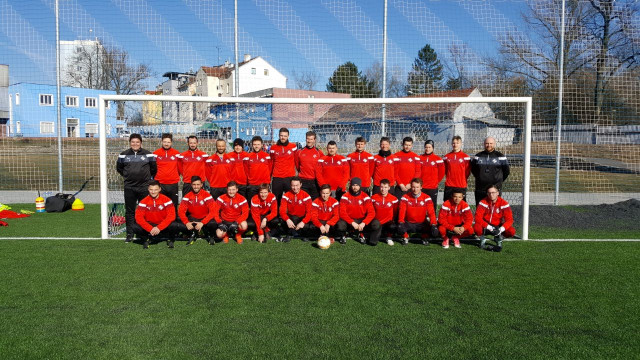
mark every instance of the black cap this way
{"type": "Point", "coordinates": [429, 142]}
{"type": "Point", "coordinates": [238, 141]}
{"type": "Point", "coordinates": [356, 181]}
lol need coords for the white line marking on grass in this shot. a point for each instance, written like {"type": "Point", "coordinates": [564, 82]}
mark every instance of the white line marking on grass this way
{"type": "Point", "coordinates": [49, 238]}
{"type": "Point", "coordinates": [576, 240]}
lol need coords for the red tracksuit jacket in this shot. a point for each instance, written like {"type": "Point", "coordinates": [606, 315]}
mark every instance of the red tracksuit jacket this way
{"type": "Point", "coordinates": [407, 167]}
{"type": "Point", "coordinates": [193, 164]}
{"type": "Point", "coordinates": [237, 166]}
{"type": "Point", "coordinates": [415, 209]}
{"type": "Point", "coordinates": [233, 209]}
{"type": "Point", "coordinates": [333, 170]}
{"type": "Point", "coordinates": [307, 162]}
{"type": "Point", "coordinates": [431, 170]}
{"type": "Point", "coordinates": [169, 166]}
{"type": "Point", "coordinates": [356, 207]}
{"type": "Point", "coordinates": [498, 214]}
{"type": "Point", "coordinates": [267, 208]}
{"type": "Point", "coordinates": [361, 165]}
{"type": "Point", "coordinates": [218, 170]}
{"type": "Point", "coordinates": [296, 204]}
{"type": "Point", "coordinates": [158, 212]}
{"type": "Point", "coordinates": [457, 169]}
{"type": "Point", "coordinates": [386, 207]}
{"type": "Point", "coordinates": [257, 166]}
{"type": "Point", "coordinates": [452, 215]}
{"type": "Point", "coordinates": [200, 206]}
{"type": "Point", "coordinates": [326, 211]}
{"type": "Point", "coordinates": [384, 168]}
{"type": "Point", "coordinates": [284, 160]}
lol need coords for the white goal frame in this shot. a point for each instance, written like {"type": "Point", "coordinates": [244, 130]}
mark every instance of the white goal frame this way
{"type": "Point", "coordinates": [104, 216]}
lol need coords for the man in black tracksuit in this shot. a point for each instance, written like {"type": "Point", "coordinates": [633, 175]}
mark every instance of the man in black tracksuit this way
{"type": "Point", "coordinates": [138, 167]}
{"type": "Point", "coordinates": [489, 167]}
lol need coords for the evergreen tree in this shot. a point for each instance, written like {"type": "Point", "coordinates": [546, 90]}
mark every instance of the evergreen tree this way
{"type": "Point", "coordinates": [426, 73]}
{"type": "Point", "coordinates": [348, 79]}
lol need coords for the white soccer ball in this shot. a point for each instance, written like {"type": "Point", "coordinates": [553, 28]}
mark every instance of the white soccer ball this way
{"type": "Point", "coordinates": [324, 242]}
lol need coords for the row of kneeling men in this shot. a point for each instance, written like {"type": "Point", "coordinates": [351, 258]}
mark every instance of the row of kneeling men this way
{"type": "Point", "coordinates": [357, 216]}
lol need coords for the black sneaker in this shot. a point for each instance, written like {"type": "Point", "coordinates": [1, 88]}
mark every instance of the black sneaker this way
{"type": "Point", "coordinates": [128, 239]}
{"type": "Point", "coordinates": [425, 242]}
{"type": "Point", "coordinates": [342, 240]}
{"type": "Point", "coordinates": [498, 246]}
{"type": "Point", "coordinates": [145, 245]}
{"type": "Point", "coordinates": [170, 244]}
{"type": "Point", "coordinates": [192, 238]}
{"type": "Point", "coordinates": [404, 241]}
{"type": "Point", "coordinates": [305, 239]}
{"type": "Point", "coordinates": [361, 238]}
{"type": "Point", "coordinates": [286, 239]}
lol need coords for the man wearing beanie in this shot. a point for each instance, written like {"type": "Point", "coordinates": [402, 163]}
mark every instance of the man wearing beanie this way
{"type": "Point", "coordinates": [357, 215]}
{"type": "Point", "coordinates": [431, 171]}
{"type": "Point", "coordinates": [236, 159]}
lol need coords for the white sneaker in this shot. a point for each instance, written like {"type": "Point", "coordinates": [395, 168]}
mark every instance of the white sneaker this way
{"type": "Point", "coordinates": [389, 241]}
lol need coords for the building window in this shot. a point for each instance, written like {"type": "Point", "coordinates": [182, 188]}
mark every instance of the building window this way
{"type": "Point", "coordinates": [227, 88]}
{"type": "Point", "coordinates": [253, 71]}
{"type": "Point", "coordinates": [18, 127]}
{"type": "Point", "coordinates": [266, 72]}
{"type": "Point", "coordinates": [46, 100]}
{"type": "Point", "coordinates": [71, 101]}
{"type": "Point", "coordinates": [90, 102]}
{"type": "Point", "coordinates": [46, 127]}
{"type": "Point", "coordinates": [17, 98]}
{"type": "Point", "coordinates": [108, 104]}
{"type": "Point", "coordinates": [91, 129]}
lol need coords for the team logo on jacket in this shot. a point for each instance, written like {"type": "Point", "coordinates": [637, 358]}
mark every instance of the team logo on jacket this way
{"type": "Point", "coordinates": [235, 206]}
{"type": "Point", "coordinates": [143, 157]}
{"type": "Point", "coordinates": [161, 207]}
{"type": "Point", "coordinates": [198, 158]}
{"type": "Point", "coordinates": [421, 203]}
{"type": "Point", "coordinates": [360, 202]}
{"type": "Point", "coordinates": [497, 211]}
{"type": "Point", "coordinates": [299, 201]}
{"type": "Point", "coordinates": [433, 163]}
{"type": "Point", "coordinates": [261, 160]}
{"type": "Point", "coordinates": [494, 161]}
{"type": "Point", "coordinates": [315, 156]}
{"type": "Point", "coordinates": [365, 160]}
{"type": "Point", "coordinates": [410, 160]}
{"type": "Point", "coordinates": [390, 161]}
{"type": "Point", "coordinates": [173, 158]}
{"type": "Point", "coordinates": [460, 160]}
{"type": "Point", "coordinates": [201, 202]}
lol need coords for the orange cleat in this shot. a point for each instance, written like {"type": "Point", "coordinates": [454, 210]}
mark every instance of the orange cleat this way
{"type": "Point", "coordinates": [225, 239]}
{"type": "Point", "coordinates": [239, 238]}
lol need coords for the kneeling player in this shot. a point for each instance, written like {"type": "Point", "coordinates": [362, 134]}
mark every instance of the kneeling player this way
{"type": "Point", "coordinates": [264, 210]}
{"type": "Point", "coordinates": [155, 217]}
{"type": "Point", "coordinates": [494, 217]}
{"type": "Point", "coordinates": [386, 208]}
{"type": "Point", "coordinates": [295, 211]}
{"type": "Point", "coordinates": [324, 213]}
{"type": "Point", "coordinates": [234, 212]}
{"type": "Point", "coordinates": [417, 214]}
{"type": "Point", "coordinates": [357, 215]}
{"type": "Point", "coordinates": [455, 220]}
{"type": "Point", "coordinates": [197, 211]}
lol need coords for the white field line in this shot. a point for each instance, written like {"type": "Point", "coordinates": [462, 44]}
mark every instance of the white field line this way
{"type": "Point", "coordinates": [507, 240]}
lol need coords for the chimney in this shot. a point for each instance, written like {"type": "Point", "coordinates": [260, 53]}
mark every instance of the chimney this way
{"type": "Point", "coordinates": [247, 57]}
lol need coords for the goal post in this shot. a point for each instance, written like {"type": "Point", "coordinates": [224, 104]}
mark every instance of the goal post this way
{"type": "Point", "coordinates": [522, 132]}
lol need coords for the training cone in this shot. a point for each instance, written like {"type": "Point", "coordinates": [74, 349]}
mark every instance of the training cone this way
{"type": "Point", "coordinates": [77, 205]}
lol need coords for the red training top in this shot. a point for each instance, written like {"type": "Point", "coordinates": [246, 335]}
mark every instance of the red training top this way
{"type": "Point", "coordinates": [356, 207]}
{"type": "Point", "coordinates": [384, 168]}
{"type": "Point", "coordinates": [200, 206]}
{"type": "Point", "coordinates": [193, 164]}
{"type": "Point", "coordinates": [361, 165]}
{"type": "Point", "coordinates": [169, 166]}
{"type": "Point", "coordinates": [257, 166]}
{"type": "Point", "coordinates": [496, 215]}
{"type": "Point", "coordinates": [218, 170]}
{"type": "Point", "coordinates": [407, 167]}
{"type": "Point", "coordinates": [296, 204]}
{"type": "Point", "coordinates": [263, 208]}
{"type": "Point", "coordinates": [431, 170]}
{"type": "Point", "coordinates": [307, 161]}
{"type": "Point", "coordinates": [152, 212]}
{"type": "Point", "coordinates": [233, 209]}
{"type": "Point", "coordinates": [236, 161]}
{"type": "Point", "coordinates": [327, 211]}
{"type": "Point", "coordinates": [415, 209]}
{"type": "Point", "coordinates": [452, 215]}
{"type": "Point", "coordinates": [457, 169]}
{"type": "Point", "coordinates": [386, 207]}
{"type": "Point", "coordinates": [284, 159]}
{"type": "Point", "coordinates": [333, 170]}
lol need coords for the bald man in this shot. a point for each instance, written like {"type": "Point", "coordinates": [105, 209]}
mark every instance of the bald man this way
{"type": "Point", "coordinates": [489, 167]}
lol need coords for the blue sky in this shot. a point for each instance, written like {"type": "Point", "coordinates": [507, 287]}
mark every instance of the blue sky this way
{"type": "Point", "coordinates": [314, 35]}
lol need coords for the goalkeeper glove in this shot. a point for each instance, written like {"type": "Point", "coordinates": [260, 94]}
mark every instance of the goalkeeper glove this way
{"type": "Point", "coordinates": [434, 231]}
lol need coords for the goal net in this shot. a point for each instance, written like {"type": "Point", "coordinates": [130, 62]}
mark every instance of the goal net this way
{"type": "Point", "coordinates": [463, 113]}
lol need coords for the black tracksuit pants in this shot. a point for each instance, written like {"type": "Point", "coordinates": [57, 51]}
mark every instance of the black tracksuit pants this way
{"type": "Point", "coordinates": [131, 198]}
{"type": "Point", "coordinates": [371, 231]}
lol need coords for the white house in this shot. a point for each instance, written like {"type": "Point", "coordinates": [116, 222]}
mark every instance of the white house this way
{"type": "Point", "coordinates": [89, 51]}
{"type": "Point", "coordinates": [255, 74]}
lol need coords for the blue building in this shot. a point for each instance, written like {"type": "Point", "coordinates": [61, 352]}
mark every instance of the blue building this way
{"type": "Point", "coordinates": [254, 120]}
{"type": "Point", "coordinates": [33, 111]}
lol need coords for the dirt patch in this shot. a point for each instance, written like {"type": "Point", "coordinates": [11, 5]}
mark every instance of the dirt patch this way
{"type": "Point", "coordinates": [625, 215]}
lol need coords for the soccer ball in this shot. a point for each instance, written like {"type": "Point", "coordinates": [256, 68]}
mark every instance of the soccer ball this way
{"type": "Point", "coordinates": [324, 242]}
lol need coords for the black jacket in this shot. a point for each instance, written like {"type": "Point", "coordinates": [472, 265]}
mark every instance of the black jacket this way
{"type": "Point", "coordinates": [137, 168]}
{"type": "Point", "coordinates": [489, 168]}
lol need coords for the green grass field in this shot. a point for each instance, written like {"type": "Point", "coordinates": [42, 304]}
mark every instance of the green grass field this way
{"type": "Point", "coordinates": [103, 299]}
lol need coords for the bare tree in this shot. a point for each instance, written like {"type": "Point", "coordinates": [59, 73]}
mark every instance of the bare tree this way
{"type": "Point", "coordinates": [306, 80]}
{"type": "Point", "coordinates": [395, 85]}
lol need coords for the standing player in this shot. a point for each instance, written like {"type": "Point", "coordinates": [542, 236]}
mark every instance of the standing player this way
{"type": "Point", "coordinates": [236, 159]}
{"type": "Point", "coordinates": [494, 217]}
{"type": "Point", "coordinates": [257, 166]}
{"type": "Point", "coordinates": [324, 213]}
{"type": "Point", "coordinates": [406, 168]}
{"type": "Point", "coordinates": [283, 156]}
{"type": "Point", "coordinates": [307, 160]}
{"type": "Point", "coordinates": [295, 212]}
{"type": "Point", "coordinates": [455, 220]}
{"type": "Point", "coordinates": [490, 168]}
{"type": "Point", "coordinates": [264, 212]}
{"type": "Point", "coordinates": [219, 169]}
{"type": "Point", "coordinates": [155, 216]}
{"type": "Point", "coordinates": [333, 169]}
{"type": "Point", "coordinates": [137, 166]}
{"type": "Point", "coordinates": [357, 215]}
{"type": "Point", "coordinates": [457, 169]}
{"type": "Point", "coordinates": [417, 214]}
{"type": "Point", "coordinates": [169, 168]}
{"type": "Point", "coordinates": [386, 208]}
{"type": "Point", "coordinates": [384, 167]}
{"type": "Point", "coordinates": [234, 212]}
{"type": "Point", "coordinates": [197, 211]}
{"type": "Point", "coordinates": [361, 165]}
{"type": "Point", "coordinates": [193, 163]}
{"type": "Point", "coordinates": [431, 171]}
